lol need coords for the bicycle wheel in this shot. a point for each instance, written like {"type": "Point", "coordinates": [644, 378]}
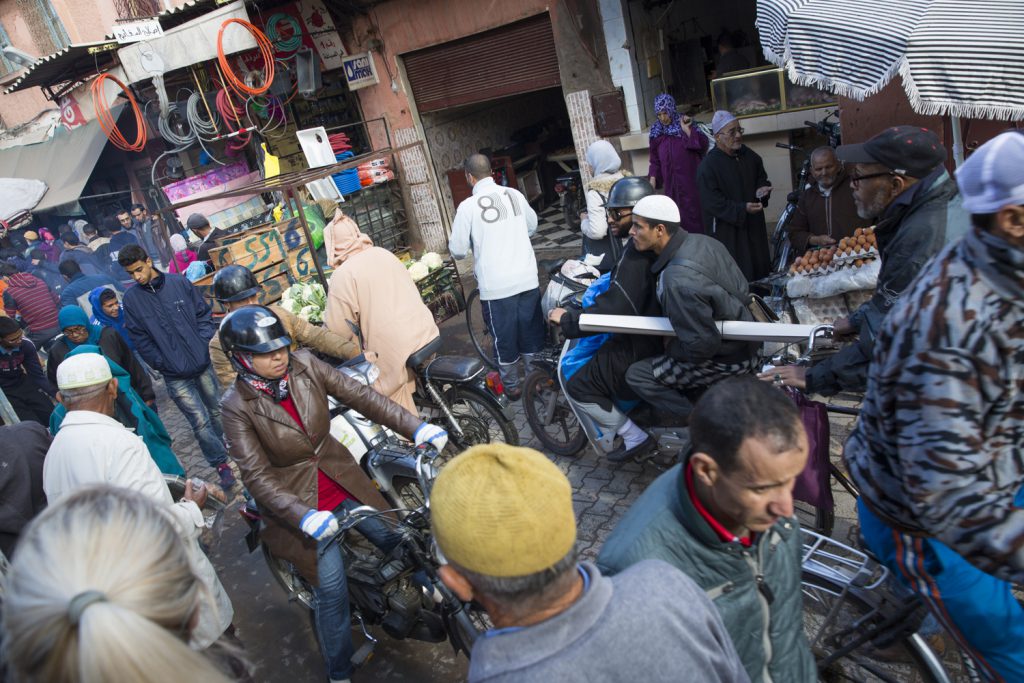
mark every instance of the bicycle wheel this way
{"type": "Point", "coordinates": [479, 330]}
{"type": "Point", "coordinates": [832, 620]}
{"type": "Point", "coordinates": [550, 417]}
{"type": "Point", "coordinates": [480, 420]}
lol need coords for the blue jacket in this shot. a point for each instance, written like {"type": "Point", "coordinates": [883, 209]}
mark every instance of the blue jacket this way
{"type": "Point", "coordinates": [89, 262]}
{"type": "Point", "coordinates": [81, 285]}
{"type": "Point", "coordinates": [171, 325]}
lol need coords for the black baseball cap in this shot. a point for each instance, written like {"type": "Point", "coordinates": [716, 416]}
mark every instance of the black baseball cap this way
{"type": "Point", "coordinates": [907, 150]}
{"type": "Point", "coordinates": [197, 221]}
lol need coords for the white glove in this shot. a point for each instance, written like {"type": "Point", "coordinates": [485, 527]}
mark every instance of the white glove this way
{"type": "Point", "coordinates": [319, 524]}
{"type": "Point", "coordinates": [432, 434]}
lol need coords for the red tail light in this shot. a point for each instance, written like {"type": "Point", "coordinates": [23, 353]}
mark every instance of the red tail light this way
{"type": "Point", "coordinates": [494, 383]}
{"type": "Point", "coordinates": [559, 187]}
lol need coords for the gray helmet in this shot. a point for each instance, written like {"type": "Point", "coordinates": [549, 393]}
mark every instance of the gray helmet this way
{"type": "Point", "coordinates": [627, 192]}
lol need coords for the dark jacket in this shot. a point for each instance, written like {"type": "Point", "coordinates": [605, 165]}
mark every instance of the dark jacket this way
{"type": "Point", "coordinates": [631, 291]}
{"type": "Point", "coordinates": [663, 524]}
{"type": "Point", "coordinates": [912, 230]}
{"type": "Point", "coordinates": [279, 460]}
{"type": "Point", "coordinates": [21, 364]}
{"type": "Point", "coordinates": [698, 285]}
{"type": "Point", "coordinates": [90, 263]}
{"type": "Point", "coordinates": [171, 325]}
{"type": "Point", "coordinates": [29, 297]}
{"type": "Point", "coordinates": [108, 253]}
{"type": "Point", "coordinates": [76, 292]}
{"type": "Point", "coordinates": [727, 183]}
{"type": "Point", "coordinates": [21, 479]}
{"type": "Point", "coordinates": [816, 214]}
{"type": "Point", "coordinates": [114, 348]}
{"type": "Point", "coordinates": [48, 273]}
{"type": "Point", "coordinates": [212, 241]}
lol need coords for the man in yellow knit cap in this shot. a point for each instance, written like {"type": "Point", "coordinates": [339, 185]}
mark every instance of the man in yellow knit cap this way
{"type": "Point", "coordinates": [504, 522]}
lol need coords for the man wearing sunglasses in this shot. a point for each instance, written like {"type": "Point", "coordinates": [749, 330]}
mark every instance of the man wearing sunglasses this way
{"type": "Point", "coordinates": [900, 185]}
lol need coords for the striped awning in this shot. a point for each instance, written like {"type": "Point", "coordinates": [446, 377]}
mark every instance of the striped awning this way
{"type": "Point", "coordinates": [958, 58]}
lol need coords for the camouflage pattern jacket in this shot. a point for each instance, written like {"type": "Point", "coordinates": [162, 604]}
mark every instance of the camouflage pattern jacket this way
{"type": "Point", "coordinates": [939, 448]}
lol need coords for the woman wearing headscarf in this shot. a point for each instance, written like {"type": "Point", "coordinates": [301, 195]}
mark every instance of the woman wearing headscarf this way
{"type": "Point", "coordinates": [77, 329]}
{"type": "Point", "coordinates": [677, 148]}
{"type": "Point", "coordinates": [373, 301]}
{"type": "Point", "coordinates": [49, 245]}
{"type": "Point", "coordinates": [604, 165]}
{"type": "Point", "coordinates": [183, 256]}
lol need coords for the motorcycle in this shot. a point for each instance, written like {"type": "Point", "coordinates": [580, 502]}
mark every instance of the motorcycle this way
{"type": "Point", "coordinates": [400, 590]}
{"type": "Point", "coordinates": [461, 395]}
{"type": "Point", "coordinates": [570, 195]}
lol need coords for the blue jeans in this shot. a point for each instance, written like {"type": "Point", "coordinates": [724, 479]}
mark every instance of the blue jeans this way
{"type": "Point", "coordinates": [198, 398]}
{"type": "Point", "coordinates": [977, 609]}
{"type": "Point", "coordinates": [331, 611]}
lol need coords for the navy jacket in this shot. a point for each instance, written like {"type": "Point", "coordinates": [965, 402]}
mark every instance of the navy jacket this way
{"type": "Point", "coordinates": [171, 325]}
{"type": "Point", "coordinates": [80, 287]}
{"type": "Point", "coordinates": [89, 262]}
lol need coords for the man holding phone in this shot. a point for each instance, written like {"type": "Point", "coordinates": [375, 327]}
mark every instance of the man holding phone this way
{"type": "Point", "coordinates": [734, 191]}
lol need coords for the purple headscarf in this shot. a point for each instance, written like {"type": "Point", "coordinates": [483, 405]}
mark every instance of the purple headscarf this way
{"type": "Point", "coordinates": [666, 103]}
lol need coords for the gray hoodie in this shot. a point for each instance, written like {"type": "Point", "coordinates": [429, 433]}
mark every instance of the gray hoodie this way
{"type": "Point", "coordinates": [650, 623]}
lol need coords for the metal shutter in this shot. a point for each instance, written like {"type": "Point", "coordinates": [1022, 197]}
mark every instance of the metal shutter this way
{"type": "Point", "coordinates": [510, 60]}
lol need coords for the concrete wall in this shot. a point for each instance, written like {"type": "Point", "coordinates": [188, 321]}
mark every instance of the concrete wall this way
{"type": "Point", "coordinates": [408, 25]}
{"type": "Point", "coordinates": [620, 58]}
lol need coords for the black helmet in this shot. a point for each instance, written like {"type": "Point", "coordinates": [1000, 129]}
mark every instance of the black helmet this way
{"type": "Point", "coordinates": [234, 283]}
{"type": "Point", "coordinates": [252, 329]}
{"type": "Point", "coordinates": [627, 192]}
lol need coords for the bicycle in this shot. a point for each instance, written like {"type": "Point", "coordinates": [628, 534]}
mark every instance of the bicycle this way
{"type": "Point", "coordinates": [860, 625]}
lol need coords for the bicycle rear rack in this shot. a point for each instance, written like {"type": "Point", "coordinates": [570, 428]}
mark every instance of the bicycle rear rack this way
{"type": "Point", "coordinates": [839, 562]}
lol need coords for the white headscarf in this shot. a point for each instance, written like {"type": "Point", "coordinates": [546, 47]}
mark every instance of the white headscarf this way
{"type": "Point", "coordinates": [603, 158]}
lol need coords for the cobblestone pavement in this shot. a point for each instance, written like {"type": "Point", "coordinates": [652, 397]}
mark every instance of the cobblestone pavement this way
{"type": "Point", "coordinates": [278, 636]}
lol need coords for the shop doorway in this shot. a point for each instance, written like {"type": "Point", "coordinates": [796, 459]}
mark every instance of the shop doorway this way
{"type": "Point", "coordinates": [499, 93]}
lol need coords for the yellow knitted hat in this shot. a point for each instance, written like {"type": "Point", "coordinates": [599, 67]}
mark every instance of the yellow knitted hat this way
{"type": "Point", "coordinates": [503, 511]}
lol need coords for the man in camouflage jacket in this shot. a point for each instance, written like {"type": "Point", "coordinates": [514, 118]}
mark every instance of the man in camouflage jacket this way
{"type": "Point", "coordinates": [938, 453]}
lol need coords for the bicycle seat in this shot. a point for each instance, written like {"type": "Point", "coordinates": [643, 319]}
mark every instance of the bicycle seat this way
{"type": "Point", "coordinates": [418, 359]}
{"type": "Point", "coordinates": [454, 368]}
{"type": "Point", "coordinates": [551, 265]}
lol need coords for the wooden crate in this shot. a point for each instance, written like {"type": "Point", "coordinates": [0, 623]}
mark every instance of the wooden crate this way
{"type": "Point", "coordinates": [273, 278]}
{"type": "Point", "coordinates": [254, 250]}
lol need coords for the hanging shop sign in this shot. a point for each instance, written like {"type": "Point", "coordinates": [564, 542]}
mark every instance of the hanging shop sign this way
{"type": "Point", "coordinates": [134, 31]}
{"type": "Point", "coordinates": [360, 71]}
{"type": "Point", "coordinates": [300, 25]}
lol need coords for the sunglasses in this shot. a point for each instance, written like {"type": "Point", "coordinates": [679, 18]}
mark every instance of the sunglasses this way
{"type": "Point", "coordinates": [618, 214]}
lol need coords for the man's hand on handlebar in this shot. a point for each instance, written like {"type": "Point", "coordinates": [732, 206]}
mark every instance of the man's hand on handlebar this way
{"type": "Point", "coordinates": [788, 375]}
{"type": "Point", "coordinates": [842, 328]}
{"type": "Point", "coordinates": [555, 316]}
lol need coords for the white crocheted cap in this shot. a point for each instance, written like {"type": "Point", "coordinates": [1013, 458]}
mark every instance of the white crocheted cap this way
{"type": "Point", "coordinates": [993, 177]}
{"type": "Point", "coordinates": [83, 370]}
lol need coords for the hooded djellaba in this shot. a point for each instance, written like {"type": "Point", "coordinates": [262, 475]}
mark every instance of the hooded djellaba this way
{"type": "Point", "coordinates": [602, 249]}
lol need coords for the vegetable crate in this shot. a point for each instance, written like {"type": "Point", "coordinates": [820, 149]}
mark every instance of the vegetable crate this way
{"type": "Point", "coordinates": [441, 290]}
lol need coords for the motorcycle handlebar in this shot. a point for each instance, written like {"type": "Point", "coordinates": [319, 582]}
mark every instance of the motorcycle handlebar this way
{"type": "Point", "coordinates": [791, 148]}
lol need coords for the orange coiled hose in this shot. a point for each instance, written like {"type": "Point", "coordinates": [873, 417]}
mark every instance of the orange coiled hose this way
{"type": "Point", "coordinates": [266, 49]}
{"type": "Point", "coordinates": [107, 121]}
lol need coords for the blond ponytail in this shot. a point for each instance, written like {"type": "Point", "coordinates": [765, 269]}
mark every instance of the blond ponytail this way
{"type": "Point", "coordinates": [101, 590]}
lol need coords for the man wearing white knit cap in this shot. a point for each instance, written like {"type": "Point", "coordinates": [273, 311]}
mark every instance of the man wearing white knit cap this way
{"type": "Point", "coordinates": [936, 453]}
{"type": "Point", "coordinates": [92, 447]}
{"type": "Point", "coordinates": [699, 284]}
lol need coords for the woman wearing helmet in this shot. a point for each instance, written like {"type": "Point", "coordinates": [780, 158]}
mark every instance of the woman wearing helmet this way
{"type": "Point", "coordinates": [236, 286]}
{"type": "Point", "coordinates": [630, 291]}
{"type": "Point", "coordinates": [277, 428]}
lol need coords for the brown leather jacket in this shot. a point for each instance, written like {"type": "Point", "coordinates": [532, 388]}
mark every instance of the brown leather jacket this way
{"type": "Point", "coordinates": [279, 460]}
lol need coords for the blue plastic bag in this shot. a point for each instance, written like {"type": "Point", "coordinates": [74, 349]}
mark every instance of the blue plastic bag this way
{"type": "Point", "coordinates": [585, 348]}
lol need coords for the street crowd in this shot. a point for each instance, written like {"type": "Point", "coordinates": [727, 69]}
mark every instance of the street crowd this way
{"type": "Point", "coordinates": [700, 579]}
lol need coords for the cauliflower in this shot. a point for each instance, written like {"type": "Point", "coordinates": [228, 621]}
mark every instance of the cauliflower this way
{"type": "Point", "coordinates": [432, 260]}
{"type": "Point", "coordinates": [418, 271]}
{"type": "Point", "coordinates": [310, 313]}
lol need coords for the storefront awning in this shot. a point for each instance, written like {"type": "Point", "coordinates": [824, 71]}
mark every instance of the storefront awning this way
{"type": "Point", "coordinates": [64, 163]}
{"type": "Point", "coordinates": [68, 65]}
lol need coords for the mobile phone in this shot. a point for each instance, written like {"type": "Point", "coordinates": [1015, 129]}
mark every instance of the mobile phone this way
{"type": "Point", "coordinates": [764, 200]}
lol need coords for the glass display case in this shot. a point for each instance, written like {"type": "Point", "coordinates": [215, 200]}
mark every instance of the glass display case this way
{"type": "Point", "coordinates": [757, 92]}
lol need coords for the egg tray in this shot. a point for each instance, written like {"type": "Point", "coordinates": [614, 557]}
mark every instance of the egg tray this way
{"type": "Point", "coordinates": [841, 262]}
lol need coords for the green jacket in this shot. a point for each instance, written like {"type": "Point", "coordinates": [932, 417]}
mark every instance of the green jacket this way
{"type": "Point", "coordinates": [756, 590]}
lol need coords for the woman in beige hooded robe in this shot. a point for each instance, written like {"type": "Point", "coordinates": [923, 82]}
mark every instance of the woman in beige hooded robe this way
{"type": "Point", "coordinates": [371, 293]}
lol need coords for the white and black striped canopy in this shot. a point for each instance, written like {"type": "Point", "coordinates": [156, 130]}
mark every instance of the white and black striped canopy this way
{"type": "Point", "coordinates": [957, 57]}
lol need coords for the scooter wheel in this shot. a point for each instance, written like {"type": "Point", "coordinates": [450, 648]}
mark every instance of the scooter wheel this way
{"type": "Point", "coordinates": [550, 416]}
